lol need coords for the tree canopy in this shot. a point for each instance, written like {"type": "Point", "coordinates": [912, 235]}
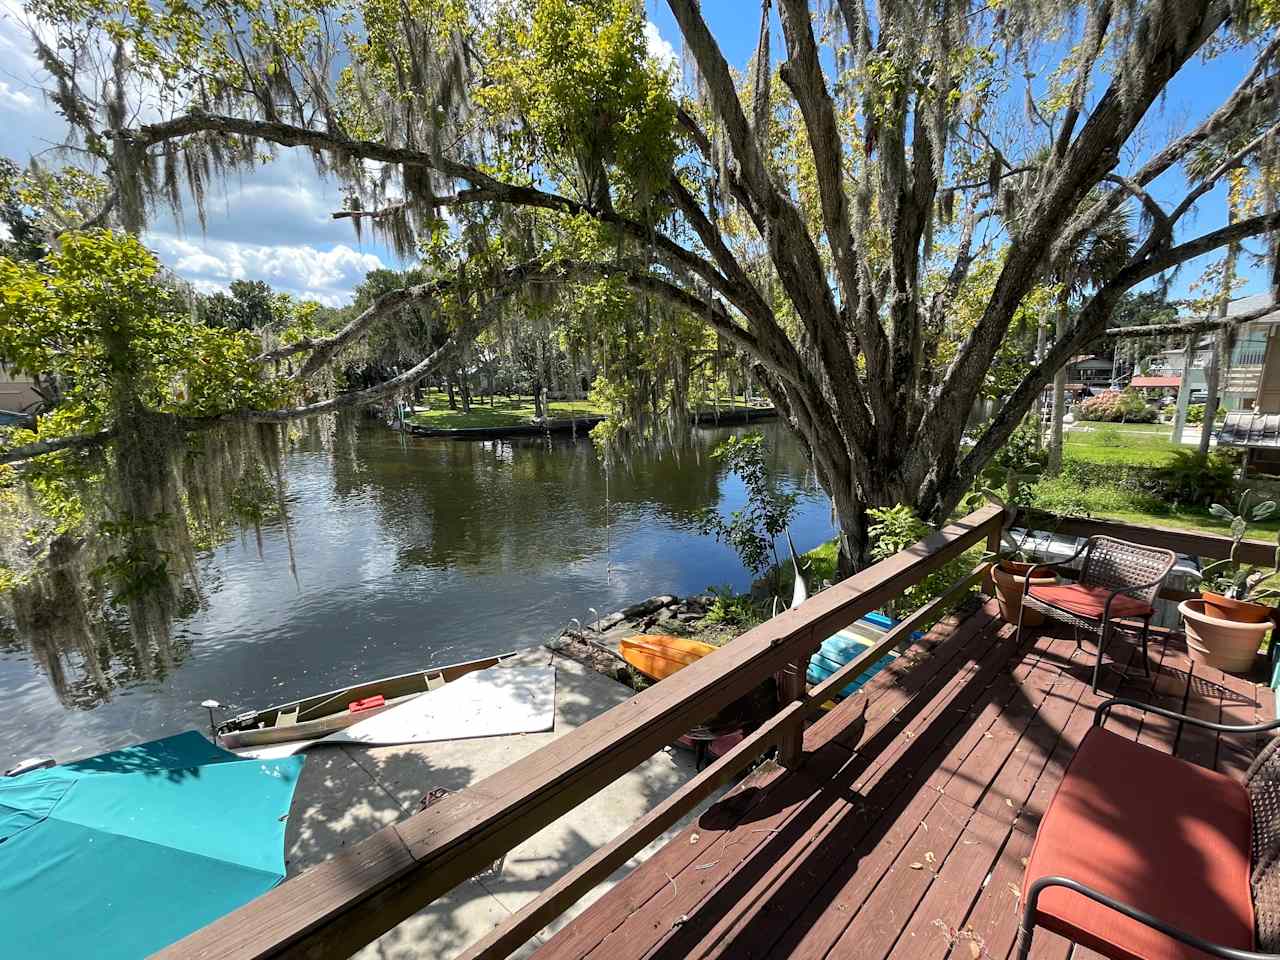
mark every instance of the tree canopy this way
{"type": "Point", "coordinates": [875, 227]}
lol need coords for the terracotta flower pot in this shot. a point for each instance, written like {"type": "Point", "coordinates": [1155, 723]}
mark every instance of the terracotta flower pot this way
{"type": "Point", "coordinates": [1225, 644]}
{"type": "Point", "coordinates": [1008, 577]}
{"type": "Point", "coordinates": [1241, 611]}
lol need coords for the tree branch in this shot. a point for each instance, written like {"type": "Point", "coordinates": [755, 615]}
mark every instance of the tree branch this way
{"type": "Point", "coordinates": [1189, 326]}
{"type": "Point", "coordinates": [76, 441]}
{"type": "Point", "coordinates": [484, 188]}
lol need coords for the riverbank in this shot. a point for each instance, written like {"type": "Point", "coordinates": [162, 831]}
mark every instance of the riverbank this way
{"type": "Point", "coordinates": [497, 418]}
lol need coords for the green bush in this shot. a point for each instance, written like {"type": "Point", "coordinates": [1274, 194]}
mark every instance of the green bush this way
{"type": "Point", "coordinates": [894, 529]}
{"type": "Point", "coordinates": [1023, 452]}
{"type": "Point", "coordinates": [1195, 413]}
{"type": "Point", "coordinates": [1067, 496]}
{"type": "Point", "coordinates": [736, 610]}
{"type": "Point", "coordinates": [1116, 407]}
{"type": "Point", "coordinates": [1194, 478]}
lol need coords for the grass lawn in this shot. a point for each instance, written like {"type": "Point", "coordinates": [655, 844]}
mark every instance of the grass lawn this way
{"type": "Point", "coordinates": [505, 412]}
{"type": "Point", "coordinates": [1135, 444]}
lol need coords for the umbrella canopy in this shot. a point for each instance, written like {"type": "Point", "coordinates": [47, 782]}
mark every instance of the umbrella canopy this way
{"type": "Point", "coordinates": [124, 853]}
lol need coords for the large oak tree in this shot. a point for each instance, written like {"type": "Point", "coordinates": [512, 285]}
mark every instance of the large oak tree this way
{"type": "Point", "coordinates": [823, 215]}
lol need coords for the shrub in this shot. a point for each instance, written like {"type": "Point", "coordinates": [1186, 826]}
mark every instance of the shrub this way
{"type": "Point", "coordinates": [895, 528]}
{"type": "Point", "coordinates": [1066, 496]}
{"type": "Point", "coordinates": [1023, 452]}
{"type": "Point", "coordinates": [1195, 413]}
{"type": "Point", "coordinates": [1194, 478]}
{"type": "Point", "coordinates": [1116, 407]}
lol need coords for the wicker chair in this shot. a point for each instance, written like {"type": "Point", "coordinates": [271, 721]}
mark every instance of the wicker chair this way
{"type": "Point", "coordinates": [1142, 854]}
{"type": "Point", "coordinates": [1118, 581]}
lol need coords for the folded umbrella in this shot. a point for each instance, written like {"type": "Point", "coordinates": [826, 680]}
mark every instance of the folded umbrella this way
{"type": "Point", "coordinates": [122, 854]}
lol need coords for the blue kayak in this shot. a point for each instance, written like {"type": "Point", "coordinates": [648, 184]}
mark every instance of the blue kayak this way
{"type": "Point", "coordinates": [852, 642]}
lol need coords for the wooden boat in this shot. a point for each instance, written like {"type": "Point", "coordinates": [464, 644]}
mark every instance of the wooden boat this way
{"type": "Point", "coordinates": [323, 713]}
{"type": "Point", "coordinates": [658, 656]}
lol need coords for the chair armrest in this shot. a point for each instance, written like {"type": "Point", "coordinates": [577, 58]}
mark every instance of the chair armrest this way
{"type": "Point", "coordinates": [1133, 913]}
{"type": "Point", "coordinates": [1100, 715]}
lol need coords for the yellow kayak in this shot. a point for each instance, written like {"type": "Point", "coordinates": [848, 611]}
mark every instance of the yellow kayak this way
{"type": "Point", "coordinates": [659, 656]}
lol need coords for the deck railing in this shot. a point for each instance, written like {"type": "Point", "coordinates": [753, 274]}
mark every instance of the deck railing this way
{"type": "Point", "coordinates": [336, 907]}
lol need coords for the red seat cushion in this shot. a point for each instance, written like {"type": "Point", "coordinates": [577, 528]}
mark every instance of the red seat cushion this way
{"type": "Point", "coordinates": [1090, 601]}
{"type": "Point", "coordinates": [1152, 831]}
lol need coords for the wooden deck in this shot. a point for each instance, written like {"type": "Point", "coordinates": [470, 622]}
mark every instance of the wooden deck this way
{"type": "Point", "coordinates": [905, 832]}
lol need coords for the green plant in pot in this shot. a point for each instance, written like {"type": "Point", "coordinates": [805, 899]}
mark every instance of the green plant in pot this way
{"type": "Point", "coordinates": [1009, 569]}
{"type": "Point", "coordinates": [1230, 590]}
{"type": "Point", "coordinates": [1226, 626]}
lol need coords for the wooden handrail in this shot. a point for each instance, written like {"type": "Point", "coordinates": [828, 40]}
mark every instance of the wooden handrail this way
{"type": "Point", "coordinates": [1190, 542]}
{"type": "Point", "coordinates": [509, 935]}
{"type": "Point", "coordinates": [338, 906]}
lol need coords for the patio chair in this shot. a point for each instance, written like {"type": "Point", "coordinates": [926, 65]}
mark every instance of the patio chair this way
{"type": "Point", "coordinates": [1144, 855]}
{"type": "Point", "coordinates": [1118, 581]}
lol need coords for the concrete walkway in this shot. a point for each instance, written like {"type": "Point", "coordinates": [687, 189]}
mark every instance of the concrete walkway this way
{"type": "Point", "coordinates": [346, 793]}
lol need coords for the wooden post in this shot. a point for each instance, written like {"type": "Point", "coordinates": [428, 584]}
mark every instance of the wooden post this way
{"type": "Point", "coordinates": [790, 689]}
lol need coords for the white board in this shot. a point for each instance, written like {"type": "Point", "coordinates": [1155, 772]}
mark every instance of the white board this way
{"type": "Point", "coordinates": [499, 701]}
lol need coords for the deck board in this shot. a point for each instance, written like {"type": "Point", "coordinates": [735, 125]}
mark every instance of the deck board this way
{"type": "Point", "coordinates": [906, 831]}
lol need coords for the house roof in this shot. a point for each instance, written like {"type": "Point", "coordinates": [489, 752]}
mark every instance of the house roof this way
{"type": "Point", "coordinates": [1155, 382]}
{"type": "Point", "coordinates": [1247, 428]}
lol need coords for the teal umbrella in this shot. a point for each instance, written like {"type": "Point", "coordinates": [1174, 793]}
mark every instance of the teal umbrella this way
{"type": "Point", "coordinates": [124, 853]}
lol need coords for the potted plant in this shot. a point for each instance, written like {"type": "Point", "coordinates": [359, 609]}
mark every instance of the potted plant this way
{"type": "Point", "coordinates": [1009, 569]}
{"type": "Point", "coordinates": [1225, 627]}
{"type": "Point", "coordinates": [1229, 590]}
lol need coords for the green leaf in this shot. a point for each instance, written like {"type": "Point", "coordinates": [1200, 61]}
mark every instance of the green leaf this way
{"type": "Point", "coordinates": [1263, 510]}
{"type": "Point", "coordinates": [1238, 527]}
{"type": "Point", "coordinates": [1218, 510]}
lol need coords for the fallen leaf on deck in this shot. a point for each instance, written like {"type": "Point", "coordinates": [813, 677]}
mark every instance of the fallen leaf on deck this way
{"type": "Point", "coordinates": [693, 839]}
{"type": "Point", "coordinates": [929, 857]}
{"type": "Point", "coordinates": [917, 865]}
{"type": "Point", "coordinates": [975, 951]}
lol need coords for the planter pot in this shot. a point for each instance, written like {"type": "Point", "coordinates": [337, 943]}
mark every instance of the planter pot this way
{"type": "Point", "coordinates": [1008, 578]}
{"type": "Point", "coordinates": [1225, 644]}
{"type": "Point", "coordinates": [1240, 611]}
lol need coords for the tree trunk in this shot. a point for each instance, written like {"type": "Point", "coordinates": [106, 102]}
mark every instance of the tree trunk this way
{"type": "Point", "coordinates": [1042, 343]}
{"type": "Point", "coordinates": [453, 400]}
{"type": "Point", "coordinates": [1059, 392]}
{"type": "Point", "coordinates": [538, 411]}
{"type": "Point", "coordinates": [465, 387]}
{"type": "Point", "coordinates": [1184, 389]}
{"type": "Point", "coordinates": [1221, 355]}
{"type": "Point", "coordinates": [1213, 376]}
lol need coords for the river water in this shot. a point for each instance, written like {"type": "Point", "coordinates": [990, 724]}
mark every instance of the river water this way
{"type": "Point", "coordinates": [409, 553]}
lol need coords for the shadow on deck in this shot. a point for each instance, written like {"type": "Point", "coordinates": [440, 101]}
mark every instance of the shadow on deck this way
{"type": "Point", "coordinates": [906, 830]}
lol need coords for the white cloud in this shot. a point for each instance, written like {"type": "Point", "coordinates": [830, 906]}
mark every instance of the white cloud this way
{"type": "Point", "coordinates": [659, 48]}
{"type": "Point", "coordinates": [16, 100]}
{"type": "Point", "coordinates": [328, 276]}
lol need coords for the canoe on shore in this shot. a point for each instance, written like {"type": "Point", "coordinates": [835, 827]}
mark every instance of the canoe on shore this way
{"type": "Point", "coordinates": [324, 713]}
{"type": "Point", "coordinates": [659, 656]}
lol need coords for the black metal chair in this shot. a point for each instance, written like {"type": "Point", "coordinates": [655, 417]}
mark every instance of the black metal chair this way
{"type": "Point", "coordinates": [1118, 581]}
{"type": "Point", "coordinates": [1256, 845]}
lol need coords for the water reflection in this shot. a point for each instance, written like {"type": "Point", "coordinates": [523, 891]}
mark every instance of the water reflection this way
{"type": "Point", "coordinates": [409, 552]}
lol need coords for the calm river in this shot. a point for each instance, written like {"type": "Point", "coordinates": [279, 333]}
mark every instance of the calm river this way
{"type": "Point", "coordinates": [410, 553]}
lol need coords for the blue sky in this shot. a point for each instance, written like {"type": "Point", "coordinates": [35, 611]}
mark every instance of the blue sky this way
{"type": "Point", "coordinates": [275, 225]}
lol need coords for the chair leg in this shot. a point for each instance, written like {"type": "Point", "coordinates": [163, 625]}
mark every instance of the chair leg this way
{"type": "Point", "coordinates": [1026, 930]}
{"type": "Point", "coordinates": [1017, 638]}
{"type": "Point", "coordinates": [1097, 664]}
{"type": "Point", "coordinates": [1146, 659]}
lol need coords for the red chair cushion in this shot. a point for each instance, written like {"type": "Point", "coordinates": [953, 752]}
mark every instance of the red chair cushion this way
{"type": "Point", "coordinates": [1152, 831]}
{"type": "Point", "coordinates": [1090, 601]}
